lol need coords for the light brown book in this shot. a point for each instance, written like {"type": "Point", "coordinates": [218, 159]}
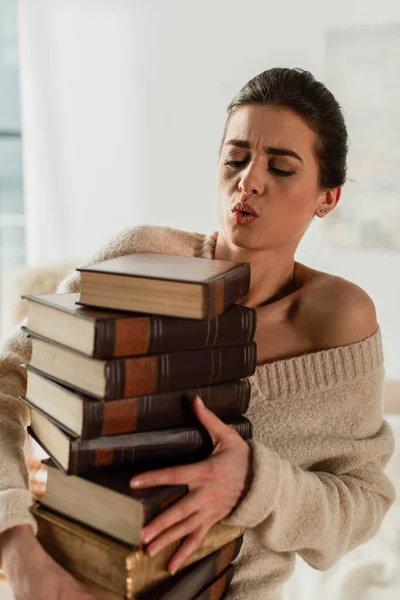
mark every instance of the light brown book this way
{"type": "Point", "coordinates": [164, 284]}
{"type": "Point", "coordinates": [106, 502]}
{"type": "Point", "coordinates": [117, 567]}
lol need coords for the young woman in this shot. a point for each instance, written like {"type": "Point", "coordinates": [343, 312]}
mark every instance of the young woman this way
{"type": "Point", "coordinates": [311, 481]}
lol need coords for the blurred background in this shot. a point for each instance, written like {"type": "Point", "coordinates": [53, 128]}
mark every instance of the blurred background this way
{"type": "Point", "coordinates": [111, 114]}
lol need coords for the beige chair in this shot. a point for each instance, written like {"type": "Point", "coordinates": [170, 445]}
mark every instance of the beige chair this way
{"type": "Point", "coordinates": [28, 280]}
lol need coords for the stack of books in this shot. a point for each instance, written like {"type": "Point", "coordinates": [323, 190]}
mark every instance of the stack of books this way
{"type": "Point", "coordinates": [111, 380]}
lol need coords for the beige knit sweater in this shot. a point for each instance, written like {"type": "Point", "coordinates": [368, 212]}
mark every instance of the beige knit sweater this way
{"type": "Point", "coordinates": [320, 444]}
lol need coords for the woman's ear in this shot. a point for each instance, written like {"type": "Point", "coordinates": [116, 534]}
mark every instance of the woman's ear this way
{"type": "Point", "coordinates": [327, 201]}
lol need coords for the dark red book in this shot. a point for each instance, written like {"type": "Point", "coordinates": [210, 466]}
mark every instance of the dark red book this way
{"type": "Point", "coordinates": [219, 588]}
{"type": "Point", "coordinates": [87, 417]}
{"type": "Point", "coordinates": [76, 456]}
{"type": "Point", "coordinates": [164, 284]}
{"type": "Point", "coordinates": [139, 375]}
{"type": "Point", "coordinates": [196, 579]}
{"type": "Point", "coordinates": [109, 334]}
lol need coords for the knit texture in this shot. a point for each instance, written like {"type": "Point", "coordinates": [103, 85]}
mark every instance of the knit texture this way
{"type": "Point", "coordinates": [319, 446]}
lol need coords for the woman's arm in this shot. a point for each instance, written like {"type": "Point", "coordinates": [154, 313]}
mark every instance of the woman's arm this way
{"type": "Point", "coordinates": [323, 509]}
{"type": "Point", "coordinates": [319, 513]}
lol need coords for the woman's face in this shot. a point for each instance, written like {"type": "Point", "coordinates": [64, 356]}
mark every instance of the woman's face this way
{"type": "Point", "coordinates": [270, 152]}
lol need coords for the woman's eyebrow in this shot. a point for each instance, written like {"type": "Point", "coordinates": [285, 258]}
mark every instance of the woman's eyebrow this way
{"type": "Point", "coordinates": [267, 149]}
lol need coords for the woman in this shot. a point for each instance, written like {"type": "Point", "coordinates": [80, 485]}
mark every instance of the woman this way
{"type": "Point", "coordinates": [311, 481]}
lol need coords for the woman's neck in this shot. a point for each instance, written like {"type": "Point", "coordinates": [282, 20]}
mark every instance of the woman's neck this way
{"type": "Point", "coordinates": [273, 272]}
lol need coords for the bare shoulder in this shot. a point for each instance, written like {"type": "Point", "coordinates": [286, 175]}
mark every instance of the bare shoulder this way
{"type": "Point", "coordinates": [336, 312]}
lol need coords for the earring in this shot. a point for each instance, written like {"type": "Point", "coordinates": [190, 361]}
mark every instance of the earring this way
{"type": "Point", "coordinates": [323, 210]}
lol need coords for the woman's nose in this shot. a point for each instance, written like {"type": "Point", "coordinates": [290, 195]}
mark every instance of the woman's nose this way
{"type": "Point", "coordinates": [252, 181]}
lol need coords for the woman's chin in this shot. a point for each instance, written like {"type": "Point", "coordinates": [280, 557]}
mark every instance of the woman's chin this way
{"type": "Point", "coordinates": [246, 238]}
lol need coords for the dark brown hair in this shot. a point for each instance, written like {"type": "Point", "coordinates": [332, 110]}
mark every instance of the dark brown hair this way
{"type": "Point", "coordinates": [300, 92]}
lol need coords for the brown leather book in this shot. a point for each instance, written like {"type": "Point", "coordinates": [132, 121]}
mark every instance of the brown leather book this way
{"type": "Point", "coordinates": [87, 417]}
{"type": "Point", "coordinates": [107, 334]}
{"type": "Point", "coordinates": [76, 456]}
{"type": "Point", "coordinates": [217, 590]}
{"type": "Point", "coordinates": [198, 577]}
{"type": "Point", "coordinates": [164, 284]}
{"type": "Point", "coordinates": [105, 502]}
{"type": "Point", "coordinates": [117, 567]}
{"type": "Point", "coordinates": [219, 587]}
{"type": "Point", "coordinates": [139, 375]}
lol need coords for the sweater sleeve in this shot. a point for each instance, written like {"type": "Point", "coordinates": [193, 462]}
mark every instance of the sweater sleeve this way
{"type": "Point", "coordinates": [324, 509]}
{"type": "Point", "coordinates": [15, 497]}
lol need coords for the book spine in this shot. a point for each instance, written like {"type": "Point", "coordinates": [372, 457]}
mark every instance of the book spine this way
{"type": "Point", "coordinates": [165, 445]}
{"type": "Point", "coordinates": [157, 334]}
{"type": "Point", "coordinates": [173, 371]}
{"type": "Point", "coordinates": [233, 327]}
{"type": "Point", "coordinates": [236, 285]}
{"type": "Point", "coordinates": [161, 411]}
{"type": "Point", "coordinates": [104, 338]}
{"type": "Point", "coordinates": [220, 294]}
{"type": "Point", "coordinates": [219, 587]}
{"type": "Point", "coordinates": [194, 579]}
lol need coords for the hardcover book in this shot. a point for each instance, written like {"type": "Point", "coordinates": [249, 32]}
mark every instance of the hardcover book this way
{"type": "Point", "coordinates": [198, 578]}
{"type": "Point", "coordinates": [76, 456]}
{"type": "Point", "coordinates": [139, 375]}
{"type": "Point", "coordinates": [106, 502]}
{"type": "Point", "coordinates": [117, 567]}
{"type": "Point", "coordinates": [219, 588]}
{"type": "Point", "coordinates": [88, 417]}
{"type": "Point", "coordinates": [109, 334]}
{"type": "Point", "coordinates": [164, 284]}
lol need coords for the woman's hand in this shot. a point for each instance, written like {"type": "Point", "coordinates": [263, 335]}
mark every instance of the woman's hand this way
{"type": "Point", "coordinates": [215, 486]}
{"type": "Point", "coordinates": [32, 573]}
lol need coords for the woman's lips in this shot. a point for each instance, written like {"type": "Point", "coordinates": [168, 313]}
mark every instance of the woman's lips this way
{"type": "Point", "coordinates": [242, 218]}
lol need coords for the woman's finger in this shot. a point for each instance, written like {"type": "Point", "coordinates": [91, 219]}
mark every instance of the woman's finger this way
{"type": "Point", "coordinates": [186, 549]}
{"type": "Point", "coordinates": [179, 475]}
{"type": "Point", "coordinates": [179, 511]}
{"type": "Point", "coordinates": [217, 429]}
{"type": "Point", "coordinates": [176, 532]}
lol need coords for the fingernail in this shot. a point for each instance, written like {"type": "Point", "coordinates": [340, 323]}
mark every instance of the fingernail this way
{"type": "Point", "coordinates": [136, 482]}
{"type": "Point", "coordinates": [146, 538]}
{"type": "Point", "coordinates": [200, 401]}
{"type": "Point", "coordinates": [173, 571]}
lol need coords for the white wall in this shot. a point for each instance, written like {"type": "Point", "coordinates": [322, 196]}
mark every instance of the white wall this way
{"type": "Point", "coordinates": [123, 109]}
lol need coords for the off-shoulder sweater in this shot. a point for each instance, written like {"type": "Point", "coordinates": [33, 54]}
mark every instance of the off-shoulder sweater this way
{"type": "Point", "coordinates": [319, 448]}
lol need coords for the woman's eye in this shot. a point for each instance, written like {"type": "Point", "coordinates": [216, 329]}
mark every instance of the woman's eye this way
{"type": "Point", "coordinates": [280, 172]}
{"type": "Point", "coordinates": [235, 163]}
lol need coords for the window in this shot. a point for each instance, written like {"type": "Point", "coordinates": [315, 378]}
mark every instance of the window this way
{"type": "Point", "coordinates": [12, 222]}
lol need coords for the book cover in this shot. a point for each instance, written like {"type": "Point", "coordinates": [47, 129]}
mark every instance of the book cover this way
{"type": "Point", "coordinates": [117, 567]}
{"type": "Point", "coordinates": [108, 334]}
{"type": "Point", "coordinates": [76, 456]}
{"type": "Point", "coordinates": [140, 375]}
{"type": "Point", "coordinates": [105, 501]}
{"type": "Point", "coordinates": [88, 417]}
{"type": "Point", "coordinates": [196, 578]}
{"type": "Point", "coordinates": [181, 286]}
